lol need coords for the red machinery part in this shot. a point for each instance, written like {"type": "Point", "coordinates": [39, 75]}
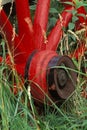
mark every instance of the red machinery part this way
{"type": "Point", "coordinates": [40, 23]}
{"type": "Point", "coordinates": [56, 34]}
{"type": "Point", "coordinates": [15, 45]}
{"type": "Point", "coordinates": [80, 24]}
{"type": "Point", "coordinates": [46, 72]}
{"type": "Point", "coordinates": [43, 74]}
{"type": "Point", "coordinates": [81, 11]}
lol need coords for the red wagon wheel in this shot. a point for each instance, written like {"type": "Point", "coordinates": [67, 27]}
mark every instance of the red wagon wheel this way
{"type": "Point", "coordinates": [47, 73]}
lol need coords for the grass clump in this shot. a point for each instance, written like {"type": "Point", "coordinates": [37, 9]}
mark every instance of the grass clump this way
{"type": "Point", "coordinates": [18, 112]}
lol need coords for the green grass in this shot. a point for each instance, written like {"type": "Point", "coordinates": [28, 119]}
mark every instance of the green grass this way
{"type": "Point", "coordinates": [18, 112]}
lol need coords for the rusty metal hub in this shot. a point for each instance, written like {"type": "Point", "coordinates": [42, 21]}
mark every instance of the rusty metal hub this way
{"type": "Point", "coordinates": [61, 77]}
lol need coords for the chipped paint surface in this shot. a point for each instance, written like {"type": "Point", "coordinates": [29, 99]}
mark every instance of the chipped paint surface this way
{"type": "Point", "coordinates": [29, 23]}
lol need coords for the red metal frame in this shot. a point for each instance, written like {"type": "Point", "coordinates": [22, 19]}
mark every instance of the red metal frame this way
{"type": "Point", "coordinates": [31, 36]}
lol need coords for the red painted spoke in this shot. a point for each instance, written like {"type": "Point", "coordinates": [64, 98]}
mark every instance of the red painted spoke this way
{"type": "Point", "coordinates": [56, 34]}
{"type": "Point", "coordinates": [15, 45]}
{"type": "Point", "coordinates": [40, 23]}
{"type": "Point", "coordinates": [25, 25]}
{"type": "Point", "coordinates": [23, 16]}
